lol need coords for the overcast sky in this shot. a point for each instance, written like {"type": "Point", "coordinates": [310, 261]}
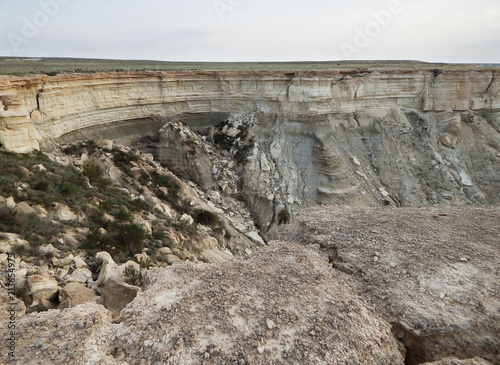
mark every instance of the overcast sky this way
{"type": "Point", "coordinates": [253, 30]}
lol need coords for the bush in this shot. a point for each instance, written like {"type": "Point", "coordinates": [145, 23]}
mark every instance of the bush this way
{"type": "Point", "coordinates": [132, 276]}
{"type": "Point", "coordinates": [284, 216]}
{"type": "Point", "coordinates": [168, 182]}
{"type": "Point", "coordinates": [132, 236]}
{"type": "Point", "coordinates": [123, 215]}
{"type": "Point", "coordinates": [206, 218]}
{"type": "Point", "coordinates": [93, 171]}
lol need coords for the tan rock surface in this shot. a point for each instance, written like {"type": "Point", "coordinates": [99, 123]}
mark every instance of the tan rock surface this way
{"type": "Point", "coordinates": [433, 271]}
{"type": "Point", "coordinates": [73, 294]}
{"type": "Point", "coordinates": [116, 295]}
{"type": "Point", "coordinates": [282, 306]}
{"type": "Point", "coordinates": [77, 336]}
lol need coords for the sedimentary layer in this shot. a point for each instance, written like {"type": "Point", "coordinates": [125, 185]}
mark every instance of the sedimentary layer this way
{"type": "Point", "coordinates": [36, 109]}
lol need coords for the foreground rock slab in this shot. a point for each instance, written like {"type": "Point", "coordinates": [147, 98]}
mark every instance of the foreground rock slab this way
{"type": "Point", "coordinates": [431, 271]}
{"type": "Point", "coordinates": [283, 306]}
{"type": "Point", "coordinates": [78, 335]}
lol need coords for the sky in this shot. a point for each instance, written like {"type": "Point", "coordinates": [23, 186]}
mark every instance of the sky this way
{"type": "Point", "coordinates": [455, 31]}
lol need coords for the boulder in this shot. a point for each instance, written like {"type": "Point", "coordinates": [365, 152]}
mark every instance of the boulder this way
{"type": "Point", "coordinates": [7, 207]}
{"type": "Point", "coordinates": [80, 262]}
{"type": "Point", "coordinates": [105, 144]}
{"type": "Point", "coordinates": [182, 151]}
{"type": "Point", "coordinates": [171, 258]}
{"type": "Point", "coordinates": [285, 305]}
{"type": "Point", "coordinates": [48, 250]}
{"type": "Point", "coordinates": [107, 271]}
{"type": "Point", "coordinates": [10, 241]}
{"type": "Point", "coordinates": [144, 224]}
{"type": "Point", "coordinates": [117, 295]}
{"type": "Point", "coordinates": [255, 237]}
{"type": "Point", "coordinates": [62, 213]}
{"type": "Point", "coordinates": [42, 287]}
{"type": "Point", "coordinates": [73, 294]}
{"type": "Point", "coordinates": [22, 212]}
{"type": "Point", "coordinates": [81, 275]}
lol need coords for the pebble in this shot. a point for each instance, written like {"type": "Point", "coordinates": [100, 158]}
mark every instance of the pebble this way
{"type": "Point", "coordinates": [270, 324]}
{"type": "Point", "coordinates": [464, 259]}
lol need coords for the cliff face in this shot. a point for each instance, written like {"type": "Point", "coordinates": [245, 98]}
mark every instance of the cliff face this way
{"type": "Point", "coordinates": [40, 108]}
{"type": "Point", "coordinates": [403, 137]}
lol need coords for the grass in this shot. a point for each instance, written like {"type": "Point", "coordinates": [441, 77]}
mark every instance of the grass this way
{"type": "Point", "coordinates": [54, 66]}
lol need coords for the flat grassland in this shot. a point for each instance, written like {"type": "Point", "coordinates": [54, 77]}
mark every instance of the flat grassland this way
{"type": "Point", "coordinates": [53, 66]}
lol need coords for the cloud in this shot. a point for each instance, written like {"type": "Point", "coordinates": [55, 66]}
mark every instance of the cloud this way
{"type": "Point", "coordinates": [257, 30]}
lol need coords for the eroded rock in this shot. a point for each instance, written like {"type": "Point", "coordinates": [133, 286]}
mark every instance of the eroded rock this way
{"type": "Point", "coordinates": [314, 314]}
{"type": "Point", "coordinates": [73, 294]}
{"type": "Point", "coordinates": [432, 271]}
{"type": "Point", "coordinates": [116, 295]}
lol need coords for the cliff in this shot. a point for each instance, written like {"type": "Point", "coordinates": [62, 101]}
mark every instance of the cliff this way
{"type": "Point", "coordinates": [297, 139]}
{"type": "Point", "coordinates": [40, 108]}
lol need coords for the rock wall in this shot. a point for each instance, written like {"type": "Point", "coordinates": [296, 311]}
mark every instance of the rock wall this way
{"type": "Point", "coordinates": [40, 108]}
{"type": "Point", "coordinates": [396, 137]}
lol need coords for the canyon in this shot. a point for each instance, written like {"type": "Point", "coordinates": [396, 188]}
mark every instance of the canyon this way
{"type": "Point", "coordinates": [360, 137]}
{"type": "Point", "coordinates": [298, 216]}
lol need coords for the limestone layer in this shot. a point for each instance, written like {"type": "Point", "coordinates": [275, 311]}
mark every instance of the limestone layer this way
{"type": "Point", "coordinates": [36, 109]}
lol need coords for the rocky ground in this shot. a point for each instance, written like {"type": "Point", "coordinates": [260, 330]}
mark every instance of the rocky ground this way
{"type": "Point", "coordinates": [88, 213]}
{"type": "Point", "coordinates": [431, 271]}
{"type": "Point", "coordinates": [341, 286]}
{"type": "Point", "coordinates": [161, 257]}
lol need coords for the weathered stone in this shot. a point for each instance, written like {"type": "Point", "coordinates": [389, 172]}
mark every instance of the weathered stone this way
{"type": "Point", "coordinates": [80, 335]}
{"type": "Point", "coordinates": [48, 250]}
{"type": "Point", "coordinates": [79, 262]}
{"type": "Point", "coordinates": [105, 144]}
{"type": "Point", "coordinates": [108, 269]}
{"type": "Point", "coordinates": [455, 361]}
{"type": "Point", "coordinates": [254, 236]}
{"type": "Point", "coordinates": [117, 295]}
{"type": "Point", "coordinates": [171, 258]}
{"type": "Point", "coordinates": [182, 150]}
{"type": "Point", "coordinates": [11, 308]}
{"type": "Point", "coordinates": [439, 305]}
{"type": "Point", "coordinates": [62, 213]}
{"type": "Point", "coordinates": [301, 294]}
{"type": "Point", "coordinates": [22, 212]}
{"type": "Point", "coordinates": [73, 294]}
{"type": "Point", "coordinates": [81, 275]}
{"type": "Point", "coordinates": [42, 287]}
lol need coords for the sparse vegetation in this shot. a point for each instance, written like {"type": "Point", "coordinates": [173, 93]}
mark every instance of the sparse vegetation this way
{"type": "Point", "coordinates": [53, 66]}
{"type": "Point", "coordinates": [206, 218]}
{"type": "Point", "coordinates": [93, 171]}
{"type": "Point", "coordinates": [132, 276]}
{"type": "Point", "coordinates": [284, 216]}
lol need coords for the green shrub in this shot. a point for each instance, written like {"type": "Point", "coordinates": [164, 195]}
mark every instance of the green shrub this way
{"type": "Point", "coordinates": [159, 235]}
{"type": "Point", "coordinates": [132, 276]}
{"type": "Point", "coordinates": [132, 236]}
{"type": "Point", "coordinates": [42, 185]}
{"type": "Point", "coordinates": [123, 215]}
{"type": "Point", "coordinates": [206, 218]}
{"type": "Point", "coordinates": [284, 216]}
{"type": "Point", "coordinates": [93, 171]}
